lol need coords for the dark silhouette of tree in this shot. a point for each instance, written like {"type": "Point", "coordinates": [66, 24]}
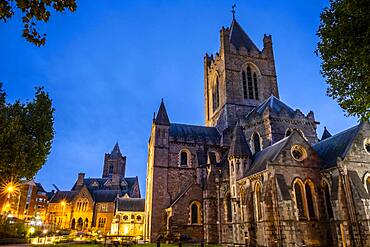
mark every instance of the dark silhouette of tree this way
{"type": "Point", "coordinates": [33, 11]}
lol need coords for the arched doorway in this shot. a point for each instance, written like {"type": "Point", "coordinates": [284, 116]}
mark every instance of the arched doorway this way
{"type": "Point", "coordinates": [73, 224]}
{"type": "Point", "coordinates": [80, 224]}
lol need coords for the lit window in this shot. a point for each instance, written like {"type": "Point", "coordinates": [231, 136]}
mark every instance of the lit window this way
{"type": "Point", "coordinates": [101, 222]}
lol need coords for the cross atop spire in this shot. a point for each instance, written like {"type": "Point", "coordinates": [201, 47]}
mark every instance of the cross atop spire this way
{"type": "Point", "coordinates": [233, 10]}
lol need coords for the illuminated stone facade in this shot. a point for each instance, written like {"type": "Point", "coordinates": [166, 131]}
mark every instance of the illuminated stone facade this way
{"type": "Point", "coordinates": [129, 218]}
{"type": "Point", "coordinates": [256, 174]}
{"type": "Point", "coordinates": [90, 204]}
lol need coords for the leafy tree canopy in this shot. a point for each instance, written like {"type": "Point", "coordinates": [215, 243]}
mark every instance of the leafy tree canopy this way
{"type": "Point", "coordinates": [33, 11]}
{"type": "Point", "coordinates": [26, 134]}
{"type": "Point", "coordinates": [344, 48]}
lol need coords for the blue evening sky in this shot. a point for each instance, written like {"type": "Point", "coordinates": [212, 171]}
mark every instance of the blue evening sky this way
{"type": "Point", "coordinates": [107, 66]}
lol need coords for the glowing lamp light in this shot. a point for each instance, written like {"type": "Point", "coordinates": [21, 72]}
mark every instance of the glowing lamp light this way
{"type": "Point", "coordinates": [10, 188]}
{"type": "Point", "coordinates": [31, 230]}
{"type": "Point", "coordinates": [45, 231]}
{"type": "Point", "coordinates": [63, 203]}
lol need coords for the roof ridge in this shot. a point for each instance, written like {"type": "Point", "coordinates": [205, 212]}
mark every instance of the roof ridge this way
{"type": "Point", "coordinates": [338, 134]}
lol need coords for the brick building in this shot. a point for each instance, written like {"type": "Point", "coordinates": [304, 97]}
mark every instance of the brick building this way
{"type": "Point", "coordinates": [257, 173]}
{"type": "Point", "coordinates": [91, 203]}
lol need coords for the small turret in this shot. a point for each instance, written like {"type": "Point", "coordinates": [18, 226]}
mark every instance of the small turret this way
{"type": "Point", "coordinates": [162, 117]}
{"type": "Point", "coordinates": [326, 134]}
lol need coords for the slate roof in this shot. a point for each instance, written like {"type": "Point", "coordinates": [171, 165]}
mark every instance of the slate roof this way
{"type": "Point", "coordinates": [239, 146]}
{"type": "Point", "coordinates": [63, 195]}
{"type": "Point", "coordinates": [336, 146]}
{"type": "Point", "coordinates": [40, 188]}
{"type": "Point", "coordinates": [326, 134]}
{"type": "Point", "coordinates": [274, 105]}
{"type": "Point", "coordinates": [239, 38]}
{"type": "Point", "coordinates": [268, 154]}
{"type": "Point", "coordinates": [162, 117]}
{"type": "Point", "coordinates": [186, 131]}
{"type": "Point", "coordinates": [106, 195]}
{"type": "Point", "coordinates": [131, 204]}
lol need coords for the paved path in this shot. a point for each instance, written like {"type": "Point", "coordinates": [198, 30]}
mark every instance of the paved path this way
{"type": "Point", "coordinates": [16, 245]}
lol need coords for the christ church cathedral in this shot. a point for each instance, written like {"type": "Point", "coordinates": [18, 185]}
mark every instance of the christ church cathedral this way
{"type": "Point", "coordinates": [256, 174]}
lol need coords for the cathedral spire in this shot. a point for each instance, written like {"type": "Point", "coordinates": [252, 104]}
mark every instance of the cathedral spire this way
{"type": "Point", "coordinates": [233, 10]}
{"type": "Point", "coordinates": [162, 117]}
{"type": "Point", "coordinates": [239, 38]}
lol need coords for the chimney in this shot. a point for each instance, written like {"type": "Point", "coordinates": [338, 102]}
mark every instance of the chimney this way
{"type": "Point", "coordinates": [80, 179]}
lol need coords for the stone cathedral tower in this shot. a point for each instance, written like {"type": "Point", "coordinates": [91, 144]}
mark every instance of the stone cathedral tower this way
{"type": "Point", "coordinates": [238, 78]}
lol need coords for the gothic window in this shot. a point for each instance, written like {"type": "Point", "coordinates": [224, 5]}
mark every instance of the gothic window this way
{"type": "Point", "coordinates": [86, 223]}
{"type": "Point", "coordinates": [329, 209]}
{"type": "Point", "coordinates": [256, 142]}
{"type": "Point", "coordinates": [250, 83]}
{"type": "Point", "coordinates": [228, 208]}
{"type": "Point", "coordinates": [257, 195]}
{"type": "Point", "coordinates": [111, 169]}
{"type": "Point", "coordinates": [184, 158]}
{"type": "Point", "coordinates": [245, 90]}
{"type": "Point", "coordinates": [195, 217]}
{"type": "Point", "coordinates": [255, 85]}
{"type": "Point", "coordinates": [299, 199]}
{"type": "Point", "coordinates": [310, 201]}
{"type": "Point", "coordinates": [216, 95]}
{"type": "Point", "coordinates": [298, 152]}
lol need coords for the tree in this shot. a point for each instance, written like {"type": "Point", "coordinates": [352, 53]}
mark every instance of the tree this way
{"type": "Point", "coordinates": [26, 134]}
{"type": "Point", "coordinates": [344, 48]}
{"type": "Point", "coordinates": [33, 11]}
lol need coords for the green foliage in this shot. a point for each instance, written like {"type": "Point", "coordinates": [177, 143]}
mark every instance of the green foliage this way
{"type": "Point", "coordinates": [26, 134]}
{"type": "Point", "coordinates": [344, 47]}
{"type": "Point", "coordinates": [32, 12]}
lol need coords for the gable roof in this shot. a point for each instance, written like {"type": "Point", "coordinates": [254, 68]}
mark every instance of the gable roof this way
{"type": "Point", "coordinates": [239, 38]}
{"type": "Point", "coordinates": [187, 131]}
{"type": "Point", "coordinates": [162, 117]}
{"type": "Point", "coordinates": [106, 195]}
{"type": "Point", "coordinates": [274, 105]}
{"type": "Point", "coordinates": [335, 146]}
{"type": "Point", "coordinates": [239, 146]}
{"type": "Point", "coordinates": [131, 204]}
{"type": "Point", "coordinates": [266, 155]}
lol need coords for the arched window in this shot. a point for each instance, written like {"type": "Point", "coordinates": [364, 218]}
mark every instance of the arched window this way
{"type": "Point", "coordinates": [184, 158]}
{"type": "Point", "coordinates": [229, 213]}
{"type": "Point", "coordinates": [111, 167]}
{"type": "Point", "coordinates": [255, 85]}
{"type": "Point", "coordinates": [299, 199]}
{"type": "Point", "coordinates": [256, 142]}
{"type": "Point", "coordinates": [216, 95]}
{"type": "Point", "coordinates": [250, 83]}
{"type": "Point", "coordinates": [245, 89]}
{"type": "Point", "coordinates": [329, 209]}
{"type": "Point", "coordinates": [257, 195]}
{"type": "Point", "coordinates": [309, 198]}
{"type": "Point", "coordinates": [86, 223]}
{"type": "Point", "coordinates": [195, 213]}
